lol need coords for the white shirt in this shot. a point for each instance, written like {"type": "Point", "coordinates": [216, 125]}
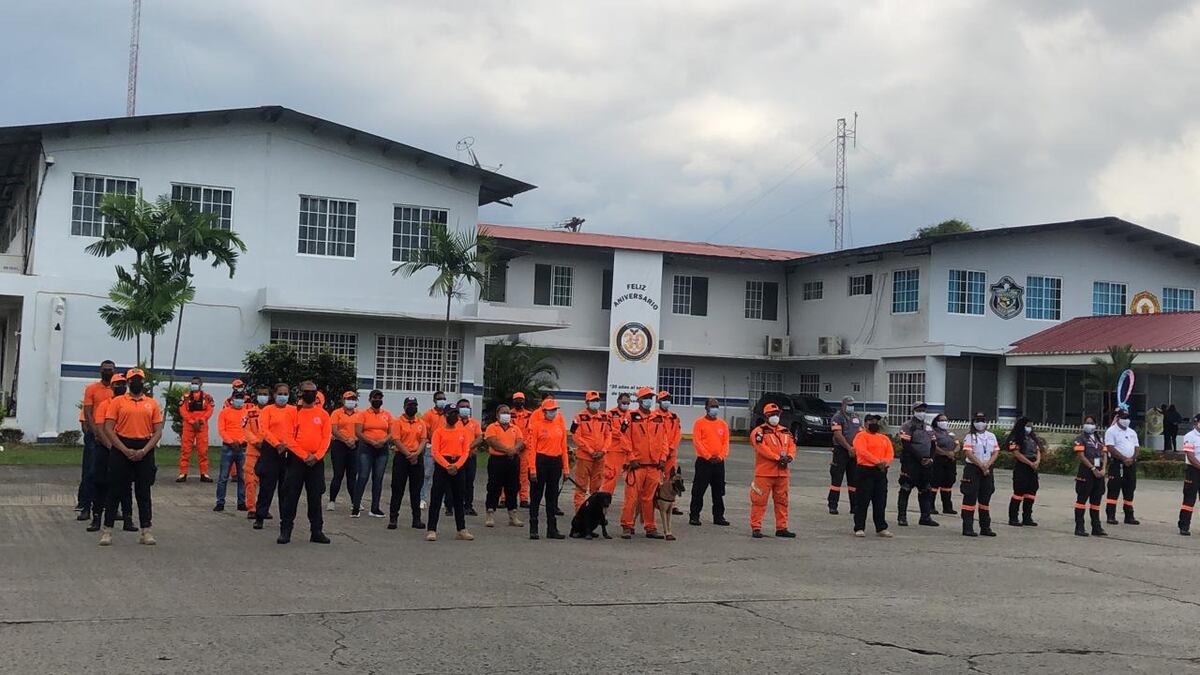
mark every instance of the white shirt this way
{"type": "Point", "coordinates": [982, 443]}
{"type": "Point", "coordinates": [1124, 440]}
{"type": "Point", "coordinates": [1191, 442]}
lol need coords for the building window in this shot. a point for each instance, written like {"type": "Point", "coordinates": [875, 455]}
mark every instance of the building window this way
{"type": "Point", "coordinates": [1108, 298]}
{"type": "Point", "coordinates": [1043, 298]}
{"type": "Point", "coordinates": [413, 363]}
{"type": "Point", "coordinates": [204, 199]}
{"type": "Point", "coordinates": [906, 286]}
{"type": "Point", "coordinates": [810, 384]}
{"type": "Point", "coordinates": [762, 300]}
{"type": "Point", "coordinates": [411, 226]}
{"type": "Point", "coordinates": [1178, 300]}
{"type": "Point", "coordinates": [327, 227]}
{"type": "Point", "coordinates": [309, 343]}
{"type": "Point", "coordinates": [763, 381]}
{"type": "Point", "coordinates": [861, 284]}
{"type": "Point", "coordinates": [855, 387]}
{"type": "Point", "coordinates": [495, 282]}
{"type": "Point", "coordinates": [690, 296]}
{"type": "Point", "coordinates": [966, 292]}
{"type": "Point", "coordinates": [905, 387]}
{"type": "Point", "coordinates": [606, 283]}
{"type": "Point", "coordinates": [677, 381]}
{"type": "Point", "coordinates": [552, 285]}
{"type": "Point", "coordinates": [814, 290]}
{"type": "Point", "coordinates": [86, 195]}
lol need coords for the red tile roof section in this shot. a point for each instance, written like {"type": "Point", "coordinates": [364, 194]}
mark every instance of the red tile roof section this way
{"type": "Point", "coordinates": [1172, 332]}
{"type": "Point", "coordinates": [636, 243]}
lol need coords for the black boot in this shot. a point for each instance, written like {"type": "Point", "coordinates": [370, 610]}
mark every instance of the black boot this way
{"type": "Point", "coordinates": [533, 529]}
{"type": "Point", "coordinates": [94, 526]}
{"type": "Point", "coordinates": [392, 522]}
{"type": "Point", "coordinates": [1097, 529]}
{"type": "Point", "coordinates": [985, 523]}
{"type": "Point", "coordinates": [948, 503]}
{"type": "Point", "coordinates": [1079, 529]}
{"type": "Point", "coordinates": [85, 514]}
{"type": "Point", "coordinates": [925, 500]}
{"type": "Point", "coordinates": [968, 519]}
{"type": "Point", "coordinates": [1027, 513]}
{"type": "Point", "coordinates": [1129, 519]}
{"type": "Point", "coordinates": [902, 508]}
{"type": "Point", "coordinates": [1185, 523]}
{"type": "Point", "coordinates": [933, 505]}
{"type": "Point", "coordinates": [129, 526]}
{"type": "Point", "coordinates": [833, 503]}
{"type": "Point", "coordinates": [285, 535]}
{"type": "Point", "coordinates": [1014, 512]}
{"type": "Point", "coordinates": [318, 537]}
{"type": "Point", "coordinates": [1110, 511]}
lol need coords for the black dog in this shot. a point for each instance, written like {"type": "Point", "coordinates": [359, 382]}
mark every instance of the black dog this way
{"type": "Point", "coordinates": [590, 516]}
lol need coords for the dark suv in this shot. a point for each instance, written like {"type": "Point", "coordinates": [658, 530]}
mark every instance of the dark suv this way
{"type": "Point", "coordinates": [807, 416]}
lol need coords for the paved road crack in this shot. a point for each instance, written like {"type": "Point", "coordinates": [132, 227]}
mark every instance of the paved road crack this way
{"type": "Point", "coordinates": [339, 640]}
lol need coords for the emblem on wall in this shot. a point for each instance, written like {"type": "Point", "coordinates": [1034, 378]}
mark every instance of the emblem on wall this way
{"type": "Point", "coordinates": [1144, 303]}
{"type": "Point", "coordinates": [1008, 299]}
{"type": "Point", "coordinates": [634, 341]}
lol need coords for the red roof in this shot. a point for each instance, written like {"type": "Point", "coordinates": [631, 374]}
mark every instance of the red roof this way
{"type": "Point", "coordinates": [636, 243]}
{"type": "Point", "coordinates": [1169, 332]}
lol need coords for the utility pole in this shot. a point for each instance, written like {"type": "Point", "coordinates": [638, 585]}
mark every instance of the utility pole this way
{"type": "Point", "coordinates": [839, 185]}
{"type": "Point", "coordinates": [135, 38]}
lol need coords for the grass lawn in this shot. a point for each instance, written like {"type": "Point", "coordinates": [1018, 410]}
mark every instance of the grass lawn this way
{"type": "Point", "coordinates": [71, 455]}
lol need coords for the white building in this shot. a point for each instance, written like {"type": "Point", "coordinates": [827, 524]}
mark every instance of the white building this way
{"type": "Point", "coordinates": [327, 211]}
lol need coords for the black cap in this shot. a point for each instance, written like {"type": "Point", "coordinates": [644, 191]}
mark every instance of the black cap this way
{"type": "Point", "coordinates": [980, 416]}
{"type": "Point", "coordinates": [411, 399]}
{"type": "Point", "coordinates": [871, 417]}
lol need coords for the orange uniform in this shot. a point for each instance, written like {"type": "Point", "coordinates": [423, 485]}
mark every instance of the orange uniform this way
{"type": "Point", "coordinates": [710, 437]}
{"type": "Point", "coordinates": [312, 432]}
{"type": "Point", "coordinates": [674, 436]}
{"type": "Point", "coordinates": [434, 420]}
{"type": "Point", "coordinates": [277, 424]}
{"type": "Point", "coordinates": [647, 438]}
{"type": "Point", "coordinates": [231, 425]}
{"type": "Point", "coordinates": [343, 422]}
{"type": "Point", "coordinates": [506, 437]}
{"type": "Point", "coordinates": [871, 449]}
{"type": "Point", "coordinates": [134, 418]}
{"type": "Point", "coordinates": [376, 424]}
{"type": "Point", "coordinates": [408, 435]}
{"type": "Point", "coordinates": [253, 438]}
{"type": "Point", "coordinates": [195, 409]}
{"type": "Point", "coordinates": [521, 419]}
{"type": "Point", "coordinates": [549, 439]}
{"type": "Point", "coordinates": [451, 446]}
{"type": "Point", "coordinates": [592, 434]}
{"type": "Point", "coordinates": [771, 443]}
{"type": "Point", "coordinates": [93, 395]}
{"type": "Point", "coordinates": [617, 455]}
{"type": "Point", "coordinates": [99, 414]}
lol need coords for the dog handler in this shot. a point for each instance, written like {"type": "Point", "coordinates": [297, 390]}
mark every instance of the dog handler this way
{"type": "Point", "coordinates": [646, 433]}
{"type": "Point", "coordinates": [547, 444]}
{"type": "Point", "coordinates": [592, 434]}
{"type": "Point", "coordinates": [774, 450]}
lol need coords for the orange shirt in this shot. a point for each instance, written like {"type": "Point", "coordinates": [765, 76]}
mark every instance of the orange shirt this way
{"type": "Point", "coordinates": [873, 448]}
{"type": "Point", "coordinates": [376, 424]}
{"type": "Point", "coordinates": [521, 419]}
{"type": "Point", "coordinates": [231, 424]}
{"type": "Point", "coordinates": [134, 418]}
{"type": "Point", "coordinates": [252, 433]}
{"type": "Point", "coordinates": [549, 439]}
{"type": "Point", "coordinates": [409, 434]}
{"type": "Point", "coordinates": [277, 424]}
{"type": "Point", "coordinates": [451, 446]}
{"type": "Point", "coordinates": [674, 429]}
{"type": "Point", "coordinates": [646, 433]}
{"type": "Point", "coordinates": [474, 426]}
{"type": "Point", "coordinates": [618, 420]}
{"type": "Point", "coordinates": [711, 438]}
{"type": "Point", "coordinates": [343, 422]}
{"type": "Point", "coordinates": [196, 406]}
{"type": "Point", "coordinates": [770, 444]}
{"type": "Point", "coordinates": [592, 435]}
{"type": "Point", "coordinates": [506, 437]}
{"type": "Point", "coordinates": [313, 431]}
{"type": "Point", "coordinates": [434, 420]}
{"type": "Point", "coordinates": [93, 394]}
{"type": "Point", "coordinates": [99, 414]}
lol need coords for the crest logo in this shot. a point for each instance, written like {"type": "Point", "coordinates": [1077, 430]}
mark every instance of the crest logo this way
{"type": "Point", "coordinates": [1144, 303]}
{"type": "Point", "coordinates": [1008, 299]}
{"type": "Point", "coordinates": [634, 341]}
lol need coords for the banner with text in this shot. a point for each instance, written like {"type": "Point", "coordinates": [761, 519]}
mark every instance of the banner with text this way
{"type": "Point", "coordinates": [633, 325]}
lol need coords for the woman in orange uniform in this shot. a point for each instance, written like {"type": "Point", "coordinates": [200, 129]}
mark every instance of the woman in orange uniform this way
{"type": "Point", "coordinates": [505, 443]}
{"type": "Point", "coordinates": [277, 424]}
{"type": "Point", "coordinates": [343, 449]}
{"type": "Point", "coordinates": [408, 441]}
{"type": "Point", "coordinates": [451, 445]}
{"type": "Point", "coordinates": [304, 467]}
{"type": "Point", "coordinates": [373, 431]}
{"type": "Point", "coordinates": [874, 453]}
{"type": "Point", "coordinates": [549, 462]}
{"type": "Point", "coordinates": [102, 445]}
{"type": "Point", "coordinates": [134, 425]}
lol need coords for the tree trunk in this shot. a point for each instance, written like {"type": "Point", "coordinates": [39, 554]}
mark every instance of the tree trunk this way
{"type": "Point", "coordinates": [138, 339]}
{"type": "Point", "coordinates": [446, 349]}
{"type": "Point", "coordinates": [152, 336]}
{"type": "Point", "coordinates": [175, 353]}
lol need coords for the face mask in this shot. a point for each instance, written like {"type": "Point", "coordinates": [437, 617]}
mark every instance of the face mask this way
{"type": "Point", "coordinates": [773, 420]}
{"type": "Point", "coordinates": [646, 403]}
{"type": "Point", "coordinates": [236, 403]}
{"type": "Point", "coordinates": [1123, 423]}
{"type": "Point", "coordinates": [943, 425]}
{"type": "Point", "coordinates": [451, 416]}
{"type": "Point", "coordinates": [194, 387]}
{"type": "Point", "coordinates": [850, 408]}
{"type": "Point", "coordinates": [593, 405]}
{"type": "Point", "coordinates": [551, 414]}
{"type": "Point", "coordinates": [623, 406]}
{"type": "Point", "coordinates": [119, 389]}
{"type": "Point", "coordinates": [1028, 430]}
{"type": "Point", "coordinates": [519, 404]}
{"type": "Point", "coordinates": [308, 396]}
{"type": "Point", "coordinates": [262, 399]}
{"type": "Point", "coordinates": [464, 413]}
{"type": "Point", "coordinates": [713, 412]}
{"type": "Point", "coordinates": [439, 403]}
{"type": "Point", "coordinates": [106, 375]}
{"type": "Point", "coordinates": [980, 426]}
{"type": "Point", "coordinates": [1089, 428]}
{"type": "Point", "coordinates": [136, 387]}
{"type": "Point", "coordinates": [873, 427]}
{"type": "Point", "coordinates": [505, 418]}
{"type": "Point", "coordinates": [349, 404]}
{"type": "Point", "coordinates": [377, 403]}
{"type": "Point", "coordinates": [410, 410]}
{"type": "Point", "coordinates": [281, 399]}
{"type": "Point", "coordinates": [665, 405]}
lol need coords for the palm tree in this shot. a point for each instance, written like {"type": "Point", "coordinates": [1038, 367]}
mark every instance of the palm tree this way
{"type": "Point", "coordinates": [131, 224]}
{"type": "Point", "coordinates": [512, 366]}
{"type": "Point", "coordinates": [143, 302]}
{"type": "Point", "coordinates": [1104, 372]}
{"type": "Point", "coordinates": [187, 234]}
{"type": "Point", "coordinates": [456, 256]}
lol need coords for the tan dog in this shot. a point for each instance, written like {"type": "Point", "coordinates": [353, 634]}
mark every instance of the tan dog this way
{"type": "Point", "coordinates": [664, 500]}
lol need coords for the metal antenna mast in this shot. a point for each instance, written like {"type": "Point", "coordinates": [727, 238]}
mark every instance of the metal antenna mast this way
{"type": "Point", "coordinates": [839, 186]}
{"type": "Point", "coordinates": [135, 38]}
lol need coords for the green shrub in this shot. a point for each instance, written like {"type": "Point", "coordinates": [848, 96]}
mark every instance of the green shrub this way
{"type": "Point", "coordinates": [11, 436]}
{"type": "Point", "coordinates": [69, 437]}
{"type": "Point", "coordinates": [172, 397]}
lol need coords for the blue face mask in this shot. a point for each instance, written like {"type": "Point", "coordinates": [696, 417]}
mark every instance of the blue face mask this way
{"type": "Point", "coordinates": [236, 403]}
{"type": "Point", "coordinates": [464, 413]}
{"type": "Point", "coordinates": [194, 387]}
{"type": "Point", "coordinates": [262, 399]}
{"type": "Point", "coordinates": [713, 412]}
{"type": "Point", "coordinates": [646, 403]}
{"type": "Point", "coordinates": [281, 399]}
{"type": "Point", "coordinates": [665, 405]}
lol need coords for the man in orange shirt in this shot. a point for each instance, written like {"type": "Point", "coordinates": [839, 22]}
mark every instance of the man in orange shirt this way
{"type": "Point", "coordinates": [618, 447]}
{"type": "Point", "coordinates": [343, 450]}
{"type": "Point", "coordinates": [231, 424]}
{"type": "Point", "coordinates": [774, 450]}
{"type": "Point", "coordinates": [592, 434]}
{"type": "Point", "coordinates": [195, 409]}
{"type": "Point", "coordinates": [254, 439]}
{"type": "Point", "coordinates": [521, 417]}
{"type": "Point", "coordinates": [434, 419]}
{"type": "Point", "coordinates": [710, 436]}
{"type": "Point", "coordinates": [408, 441]}
{"type": "Point", "coordinates": [505, 443]}
{"type": "Point", "coordinates": [450, 447]}
{"type": "Point", "coordinates": [373, 431]}
{"type": "Point", "coordinates": [93, 394]}
{"type": "Point", "coordinates": [304, 467]}
{"type": "Point", "coordinates": [100, 478]}
{"type": "Point", "coordinates": [646, 431]}
{"type": "Point", "coordinates": [277, 426]}
{"type": "Point", "coordinates": [873, 453]}
{"type": "Point", "coordinates": [547, 445]}
{"type": "Point", "coordinates": [134, 425]}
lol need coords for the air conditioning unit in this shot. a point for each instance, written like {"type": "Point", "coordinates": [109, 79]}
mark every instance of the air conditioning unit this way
{"type": "Point", "coordinates": [739, 424]}
{"type": "Point", "coordinates": [829, 345]}
{"type": "Point", "coordinates": [779, 346]}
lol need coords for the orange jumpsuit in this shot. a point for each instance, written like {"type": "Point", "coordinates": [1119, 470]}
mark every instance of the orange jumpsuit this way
{"type": "Point", "coordinates": [647, 434]}
{"type": "Point", "coordinates": [592, 435]}
{"type": "Point", "coordinates": [770, 480]}
{"type": "Point", "coordinates": [618, 450]}
{"type": "Point", "coordinates": [195, 409]}
{"type": "Point", "coordinates": [253, 438]}
{"type": "Point", "coordinates": [521, 419]}
{"type": "Point", "coordinates": [674, 432]}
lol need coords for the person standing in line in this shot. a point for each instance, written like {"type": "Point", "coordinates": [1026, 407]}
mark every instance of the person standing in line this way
{"type": "Point", "coordinates": [592, 434]}
{"type": "Point", "coordinates": [980, 451]}
{"type": "Point", "coordinates": [1121, 441]}
{"type": "Point", "coordinates": [945, 449]}
{"type": "Point", "coordinates": [304, 467]}
{"type": "Point", "coordinates": [254, 439]}
{"type": "Point", "coordinates": [846, 425]}
{"type": "Point", "coordinates": [451, 444]}
{"type": "Point", "coordinates": [547, 444]}
{"type": "Point", "coordinates": [1171, 421]}
{"type": "Point", "coordinates": [277, 424]}
{"type": "Point", "coordinates": [674, 436]}
{"type": "Point", "coordinates": [916, 465]}
{"type": "Point", "coordinates": [873, 453]}
{"type": "Point", "coordinates": [1191, 477]}
{"type": "Point", "coordinates": [617, 456]}
{"type": "Point", "coordinates": [434, 418]}
{"type": "Point", "coordinates": [1089, 479]}
{"type": "Point", "coordinates": [373, 429]}
{"type": "Point", "coordinates": [238, 390]}
{"type": "Point", "coordinates": [1026, 449]}
{"type": "Point", "coordinates": [646, 434]}
{"type": "Point", "coordinates": [408, 442]}
{"type": "Point", "coordinates": [134, 424]}
{"type": "Point", "coordinates": [505, 443]}
{"type": "Point", "coordinates": [774, 451]}
{"type": "Point", "coordinates": [710, 437]}
{"type": "Point", "coordinates": [231, 425]}
{"type": "Point", "coordinates": [466, 419]}
{"type": "Point", "coordinates": [100, 473]}
{"type": "Point", "coordinates": [521, 416]}
{"type": "Point", "coordinates": [343, 449]}
{"type": "Point", "coordinates": [93, 394]}
{"type": "Point", "coordinates": [196, 408]}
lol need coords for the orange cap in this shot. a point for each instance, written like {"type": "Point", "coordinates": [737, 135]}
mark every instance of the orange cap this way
{"type": "Point", "coordinates": [549, 404]}
{"type": "Point", "coordinates": [520, 395]}
{"type": "Point", "coordinates": [592, 396]}
{"type": "Point", "coordinates": [643, 392]}
{"type": "Point", "coordinates": [237, 383]}
{"type": "Point", "coordinates": [117, 377]}
{"type": "Point", "coordinates": [135, 372]}
{"type": "Point", "coordinates": [663, 395]}
{"type": "Point", "coordinates": [770, 408]}
{"type": "Point", "coordinates": [349, 394]}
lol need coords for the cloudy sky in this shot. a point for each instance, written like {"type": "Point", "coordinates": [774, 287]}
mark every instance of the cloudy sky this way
{"type": "Point", "coordinates": [693, 119]}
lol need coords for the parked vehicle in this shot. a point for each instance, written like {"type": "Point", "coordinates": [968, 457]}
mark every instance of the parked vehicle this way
{"type": "Point", "coordinates": [806, 416]}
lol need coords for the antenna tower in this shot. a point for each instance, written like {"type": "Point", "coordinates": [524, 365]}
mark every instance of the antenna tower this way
{"type": "Point", "coordinates": [839, 185]}
{"type": "Point", "coordinates": [135, 39]}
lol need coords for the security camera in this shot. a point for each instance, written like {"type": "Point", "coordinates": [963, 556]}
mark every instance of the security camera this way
{"type": "Point", "coordinates": [49, 160]}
